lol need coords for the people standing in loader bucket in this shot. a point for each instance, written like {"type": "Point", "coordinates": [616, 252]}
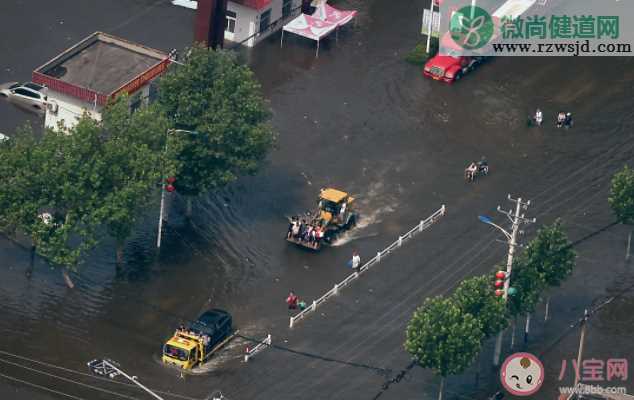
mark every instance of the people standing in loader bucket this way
{"type": "Point", "coordinates": [310, 232]}
{"type": "Point", "coordinates": [334, 214]}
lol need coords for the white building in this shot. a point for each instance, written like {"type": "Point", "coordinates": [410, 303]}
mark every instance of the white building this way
{"type": "Point", "coordinates": [86, 76]}
{"type": "Point", "coordinates": [249, 21]}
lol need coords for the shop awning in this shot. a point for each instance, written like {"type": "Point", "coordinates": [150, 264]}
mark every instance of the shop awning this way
{"type": "Point", "coordinates": [309, 27]}
{"type": "Point", "coordinates": [328, 13]}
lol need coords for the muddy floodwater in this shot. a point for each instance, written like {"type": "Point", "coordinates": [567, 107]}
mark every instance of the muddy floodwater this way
{"type": "Point", "coordinates": [357, 118]}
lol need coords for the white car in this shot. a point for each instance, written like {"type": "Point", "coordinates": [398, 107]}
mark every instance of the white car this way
{"type": "Point", "coordinates": [29, 94]}
{"type": "Point", "coordinates": [3, 137]}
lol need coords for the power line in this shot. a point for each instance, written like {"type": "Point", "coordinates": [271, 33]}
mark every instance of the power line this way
{"type": "Point", "coordinates": [90, 375]}
{"type": "Point", "coordinates": [582, 319]}
{"type": "Point", "coordinates": [40, 387]}
{"type": "Point", "coordinates": [68, 380]}
{"type": "Point", "coordinates": [395, 379]}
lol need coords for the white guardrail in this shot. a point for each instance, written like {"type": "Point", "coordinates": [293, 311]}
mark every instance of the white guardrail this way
{"type": "Point", "coordinates": [423, 225]}
{"type": "Point", "coordinates": [263, 344]}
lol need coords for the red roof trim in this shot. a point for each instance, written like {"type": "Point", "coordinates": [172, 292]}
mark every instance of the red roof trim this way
{"type": "Point", "coordinates": [257, 4]}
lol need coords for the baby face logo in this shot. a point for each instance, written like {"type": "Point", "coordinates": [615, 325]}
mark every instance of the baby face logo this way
{"type": "Point", "coordinates": [471, 27]}
{"type": "Point", "coordinates": [522, 374]}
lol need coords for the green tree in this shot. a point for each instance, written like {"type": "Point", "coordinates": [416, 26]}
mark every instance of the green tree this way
{"type": "Point", "coordinates": [442, 337]}
{"type": "Point", "coordinates": [133, 152]}
{"type": "Point", "coordinates": [476, 296]}
{"type": "Point", "coordinates": [90, 175]}
{"type": "Point", "coordinates": [59, 175]}
{"type": "Point", "coordinates": [551, 254]}
{"type": "Point", "coordinates": [22, 194]}
{"type": "Point", "coordinates": [621, 197]}
{"type": "Point", "coordinates": [221, 100]}
{"type": "Point", "coordinates": [528, 283]}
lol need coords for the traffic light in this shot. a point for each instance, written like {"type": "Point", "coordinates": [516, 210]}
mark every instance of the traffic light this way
{"type": "Point", "coordinates": [170, 184]}
{"type": "Point", "coordinates": [500, 276]}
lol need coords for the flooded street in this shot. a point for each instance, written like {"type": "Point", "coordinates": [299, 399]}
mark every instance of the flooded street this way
{"type": "Point", "coordinates": [358, 118]}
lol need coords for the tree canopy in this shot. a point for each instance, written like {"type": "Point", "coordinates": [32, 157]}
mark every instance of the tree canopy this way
{"type": "Point", "coordinates": [59, 174]}
{"type": "Point", "coordinates": [135, 161]}
{"type": "Point", "coordinates": [621, 197]}
{"type": "Point", "coordinates": [550, 254]}
{"type": "Point", "coordinates": [92, 175]}
{"type": "Point", "coordinates": [475, 296]}
{"type": "Point", "coordinates": [215, 96]}
{"type": "Point", "coordinates": [529, 284]}
{"type": "Point", "coordinates": [442, 337]}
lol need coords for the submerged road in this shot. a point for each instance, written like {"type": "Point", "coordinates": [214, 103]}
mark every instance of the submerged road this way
{"type": "Point", "coordinates": [358, 118]}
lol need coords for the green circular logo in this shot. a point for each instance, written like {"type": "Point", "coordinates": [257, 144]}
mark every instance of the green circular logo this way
{"type": "Point", "coordinates": [471, 27]}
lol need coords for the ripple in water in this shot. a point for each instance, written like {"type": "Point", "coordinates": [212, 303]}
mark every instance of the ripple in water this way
{"type": "Point", "coordinates": [234, 350]}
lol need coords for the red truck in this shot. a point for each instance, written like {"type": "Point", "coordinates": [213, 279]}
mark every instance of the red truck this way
{"type": "Point", "coordinates": [448, 65]}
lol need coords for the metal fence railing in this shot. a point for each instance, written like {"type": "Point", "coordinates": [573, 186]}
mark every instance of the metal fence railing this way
{"type": "Point", "coordinates": [263, 344]}
{"type": "Point", "coordinates": [423, 225]}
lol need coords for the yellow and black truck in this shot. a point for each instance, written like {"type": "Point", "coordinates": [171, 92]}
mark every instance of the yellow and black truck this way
{"type": "Point", "coordinates": [194, 343]}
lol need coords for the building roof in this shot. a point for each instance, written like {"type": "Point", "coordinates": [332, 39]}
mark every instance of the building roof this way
{"type": "Point", "coordinates": [101, 66]}
{"type": "Point", "coordinates": [257, 4]}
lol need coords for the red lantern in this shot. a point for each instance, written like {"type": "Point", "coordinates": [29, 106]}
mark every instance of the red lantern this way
{"type": "Point", "coordinates": [170, 188]}
{"type": "Point", "coordinates": [171, 180]}
{"type": "Point", "coordinates": [499, 284]}
{"type": "Point", "coordinates": [500, 275]}
{"type": "Point", "coordinates": [499, 292]}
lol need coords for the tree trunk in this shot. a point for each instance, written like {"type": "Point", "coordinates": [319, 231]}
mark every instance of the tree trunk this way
{"type": "Point", "coordinates": [547, 308]}
{"type": "Point", "coordinates": [188, 208]}
{"type": "Point", "coordinates": [67, 279]}
{"type": "Point", "coordinates": [12, 232]}
{"type": "Point", "coordinates": [29, 270]}
{"type": "Point", "coordinates": [119, 251]}
{"type": "Point", "coordinates": [513, 324]}
{"type": "Point", "coordinates": [527, 328]}
{"type": "Point", "coordinates": [442, 387]}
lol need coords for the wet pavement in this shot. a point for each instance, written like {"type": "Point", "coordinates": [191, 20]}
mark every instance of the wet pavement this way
{"type": "Point", "coordinates": [361, 119]}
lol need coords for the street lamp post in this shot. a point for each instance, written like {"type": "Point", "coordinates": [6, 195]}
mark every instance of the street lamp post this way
{"type": "Point", "coordinates": [107, 368]}
{"type": "Point", "coordinates": [164, 186]}
{"type": "Point", "coordinates": [516, 220]}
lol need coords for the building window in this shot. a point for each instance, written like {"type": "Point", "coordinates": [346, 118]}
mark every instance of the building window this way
{"type": "Point", "coordinates": [265, 20]}
{"type": "Point", "coordinates": [231, 21]}
{"type": "Point", "coordinates": [136, 101]}
{"type": "Point", "coordinates": [153, 91]}
{"type": "Point", "coordinates": [287, 7]}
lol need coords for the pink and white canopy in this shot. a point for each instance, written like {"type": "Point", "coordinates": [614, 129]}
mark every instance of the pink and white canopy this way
{"type": "Point", "coordinates": [310, 27]}
{"type": "Point", "coordinates": [328, 13]}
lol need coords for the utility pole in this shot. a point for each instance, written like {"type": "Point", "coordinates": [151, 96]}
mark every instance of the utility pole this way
{"type": "Point", "coordinates": [584, 324]}
{"type": "Point", "coordinates": [163, 188]}
{"type": "Point", "coordinates": [166, 184]}
{"type": "Point", "coordinates": [107, 368]}
{"type": "Point", "coordinates": [516, 219]}
{"type": "Point", "coordinates": [429, 28]}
